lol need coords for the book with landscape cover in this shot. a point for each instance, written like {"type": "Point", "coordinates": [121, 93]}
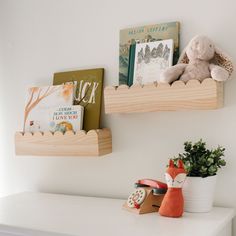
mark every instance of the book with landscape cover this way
{"type": "Point", "coordinates": [88, 93]}
{"type": "Point", "coordinates": [150, 60]}
{"type": "Point", "coordinates": [40, 101]}
{"type": "Point", "coordinates": [143, 34]}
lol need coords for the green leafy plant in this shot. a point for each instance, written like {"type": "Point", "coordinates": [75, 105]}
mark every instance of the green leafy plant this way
{"type": "Point", "coordinates": [200, 161]}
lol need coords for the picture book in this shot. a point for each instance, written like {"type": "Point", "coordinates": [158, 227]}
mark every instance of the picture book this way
{"type": "Point", "coordinates": [143, 34]}
{"type": "Point", "coordinates": [39, 102]}
{"type": "Point", "coordinates": [68, 118]}
{"type": "Point", "coordinates": [88, 93]}
{"type": "Point", "coordinates": [151, 59]}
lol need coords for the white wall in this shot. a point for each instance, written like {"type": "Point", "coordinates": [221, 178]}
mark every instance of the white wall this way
{"type": "Point", "coordinates": [39, 37]}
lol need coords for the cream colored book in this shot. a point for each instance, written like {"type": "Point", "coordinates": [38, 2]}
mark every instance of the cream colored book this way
{"type": "Point", "coordinates": [69, 118]}
{"type": "Point", "coordinates": [40, 101]}
{"type": "Point", "coordinates": [151, 59]}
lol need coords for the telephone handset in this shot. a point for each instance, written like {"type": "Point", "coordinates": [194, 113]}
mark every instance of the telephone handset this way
{"type": "Point", "coordinates": [158, 186]}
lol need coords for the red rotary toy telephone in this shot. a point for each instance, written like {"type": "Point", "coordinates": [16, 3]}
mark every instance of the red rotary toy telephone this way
{"type": "Point", "coordinates": [147, 197]}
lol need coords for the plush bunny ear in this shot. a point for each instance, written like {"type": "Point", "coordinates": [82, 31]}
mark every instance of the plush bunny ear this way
{"type": "Point", "coordinates": [171, 163]}
{"type": "Point", "coordinates": [223, 60]}
{"type": "Point", "coordinates": [183, 57]}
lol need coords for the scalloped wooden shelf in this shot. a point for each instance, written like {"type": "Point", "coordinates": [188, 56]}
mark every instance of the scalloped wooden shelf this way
{"type": "Point", "coordinates": [164, 97]}
{"type": "Point", "coordinates": [93, 143]}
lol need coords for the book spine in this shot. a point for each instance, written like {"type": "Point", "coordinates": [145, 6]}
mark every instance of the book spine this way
{"type": "Point", "coordinates": [131, 64]}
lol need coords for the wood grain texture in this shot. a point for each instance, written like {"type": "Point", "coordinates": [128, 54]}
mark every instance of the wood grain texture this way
{"type": "Point", "coordinates": [164, 97]}
{"type": "Point", "coordinates": [93, 143]}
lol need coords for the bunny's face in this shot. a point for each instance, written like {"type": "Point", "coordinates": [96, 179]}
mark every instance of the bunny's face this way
{"type": "Point", "coordinates": [200, 47]}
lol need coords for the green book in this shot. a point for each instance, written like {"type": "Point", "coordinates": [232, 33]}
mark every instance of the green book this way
{"type": "Point", "coordinates": [148, 33]}
{"type": "Point", "coordinates": [89, 87]}
{"type": "Point", "coordinates": [131, 64]}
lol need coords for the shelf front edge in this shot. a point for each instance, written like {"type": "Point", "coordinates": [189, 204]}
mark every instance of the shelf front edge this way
{"type": "Point", "coordinates": [93, 143]}
{"type": "Point", "coordinates": [163, 97]}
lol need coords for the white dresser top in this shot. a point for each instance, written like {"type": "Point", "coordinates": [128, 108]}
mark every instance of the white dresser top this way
{"type": "Point", "coordinates": [53, 214]}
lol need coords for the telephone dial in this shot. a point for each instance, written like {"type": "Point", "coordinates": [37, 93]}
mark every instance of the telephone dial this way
{"type": "Point", "coordinates": [147, 196]}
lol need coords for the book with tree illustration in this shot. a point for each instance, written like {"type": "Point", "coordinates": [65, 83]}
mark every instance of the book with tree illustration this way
{"type": "Point", "coordinates": [40, 101]}
{"type": "Point", "coordinates": [150, 60]}
{"type": "Point", "coordinates": [88, 93]}
{"type": "Point", "coordinates": [142, 34]}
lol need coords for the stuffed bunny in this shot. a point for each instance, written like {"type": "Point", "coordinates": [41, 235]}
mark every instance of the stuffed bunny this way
{"type": "Point", "coordinates": [200, 60]}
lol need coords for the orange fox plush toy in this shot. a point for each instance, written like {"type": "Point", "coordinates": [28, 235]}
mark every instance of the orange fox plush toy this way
{"type": "Point", "coordinates": [173, 202]}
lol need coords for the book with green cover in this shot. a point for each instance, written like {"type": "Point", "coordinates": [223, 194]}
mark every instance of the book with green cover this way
{"type": "Point", "coordinates": [131, 64]}
{"type": "Point", "coordinates": [143, 34]}
{"type": "Point", "coordinates": [89, 87]}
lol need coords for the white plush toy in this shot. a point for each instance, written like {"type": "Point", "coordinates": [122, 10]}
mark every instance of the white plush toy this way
{"type": "Point", "coordinates": [200, 60]}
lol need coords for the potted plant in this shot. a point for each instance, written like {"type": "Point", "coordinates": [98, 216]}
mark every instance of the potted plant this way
{"type": "Point", "coordinates": [202, 165]}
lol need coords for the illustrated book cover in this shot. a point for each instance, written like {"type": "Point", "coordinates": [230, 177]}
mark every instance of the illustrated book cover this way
{"type": "Point", "coordinates": [151, 59]}
{"type": "Point", "coordinates": [68, 118]}
{"type": "Point", "coordinates": [88, 93]}
{"type": "Point", "coordinates": [39, 102]}
{"type": "Point", "coordinates": [144, 34]}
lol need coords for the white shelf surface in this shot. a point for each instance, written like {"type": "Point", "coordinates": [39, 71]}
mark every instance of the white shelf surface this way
{"type": "Point", "coordinates": [42, 214]}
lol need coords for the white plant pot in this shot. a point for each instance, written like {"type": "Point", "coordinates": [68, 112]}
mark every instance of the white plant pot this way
{"type": "Point", "coordinates": [198, 193]}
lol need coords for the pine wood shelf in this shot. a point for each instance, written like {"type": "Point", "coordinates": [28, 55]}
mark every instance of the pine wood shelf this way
{"type": "Point", "coordinates": [152, 97]}
{"type": "Point", "coordinates": [92, 143]}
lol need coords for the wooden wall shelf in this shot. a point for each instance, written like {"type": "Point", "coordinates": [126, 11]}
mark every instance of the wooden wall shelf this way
{"type": "Point", "coordinates": [164, 97]}
{"type": "Point", "coordinates": [92, 143]}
